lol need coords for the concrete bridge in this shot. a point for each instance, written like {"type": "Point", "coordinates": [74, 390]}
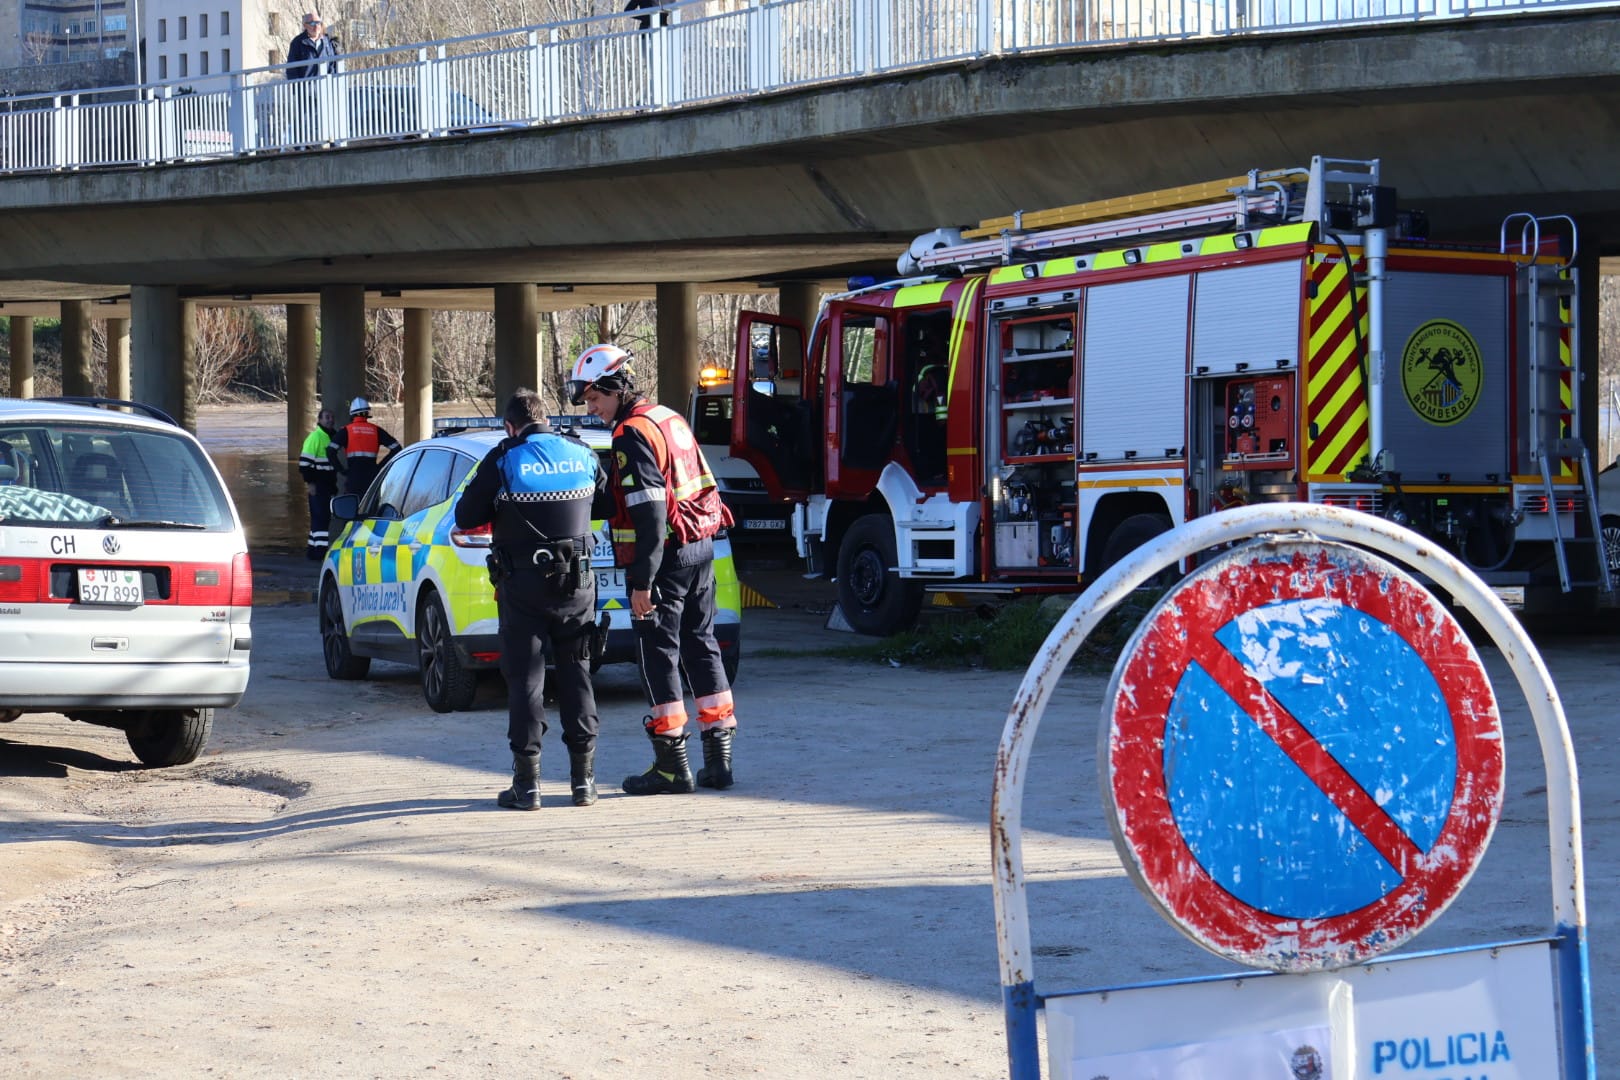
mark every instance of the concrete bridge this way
{"type": "Point", "coordinates": [1472, 119]}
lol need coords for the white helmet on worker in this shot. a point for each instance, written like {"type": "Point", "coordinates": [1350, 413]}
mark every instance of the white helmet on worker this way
{"type": "Point", "coordinates": [606, 367]}
{"type": "Point", "coordinates": [359, 407]}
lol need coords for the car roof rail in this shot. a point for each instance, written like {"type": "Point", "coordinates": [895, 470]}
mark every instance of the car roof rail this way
{"type": "Point", "coordinates": [114, 403]}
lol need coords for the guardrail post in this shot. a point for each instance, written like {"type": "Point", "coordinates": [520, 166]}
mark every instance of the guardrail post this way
{"type": "Point", "coordinates": [660, 57]}
{"type": "Point", "coordinates": [168, 127]}
{"type": "Point", "coordinates": [424, 94]}
{"type": "Point", "coordinates": [536, 69]}
{"type": "Point", "coordinates": [58, 134]}
{"type": "Point", "coordinates": [436, 77]}
{"type": "Point", "coordinates": [986, 37]}
{"type": "Point", "coordinates": [882, 37]}
{"type": "Point", "coordinates": [237, 114]}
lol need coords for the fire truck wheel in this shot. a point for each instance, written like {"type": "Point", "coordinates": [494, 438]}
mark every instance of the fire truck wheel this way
{"type": "Point", "coordinates": [1131, 534]}
{"type": "Point", "coordinates": [875, 599]}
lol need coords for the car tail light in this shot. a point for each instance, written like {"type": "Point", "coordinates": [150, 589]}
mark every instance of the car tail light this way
{"type": "Point", "coordinates": [23, 581]}
{"type": "Point", "coordinates": [241, 580]}
{"type": "Point", "coordinates": [481, 536]}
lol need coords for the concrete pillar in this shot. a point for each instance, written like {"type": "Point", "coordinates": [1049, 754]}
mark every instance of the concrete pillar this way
{"type": "Point", "coordinates": [517, 341]}
{"type": "Point", "coordinates": [301, 390]}
{"type": "Point", "coordinates": [22, 356]}
{"type": "Point", "coordinates": [118, 359]}
{"type": "Point", "coordinates": [343, 347]}
{"type": "Point", "coordinates": [78, 380]}
{"type": "Point", "coordinates": [800, 300]}
{"type": "Point", "coordinates": [677, 344]}
{"type": "Point", "coordinates": [418, 375]}
{"type": "Point", "coordinates": [163, 351]}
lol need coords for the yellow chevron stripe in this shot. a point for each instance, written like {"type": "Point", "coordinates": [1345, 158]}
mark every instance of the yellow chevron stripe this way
{"type": "Point", "coordinates": [752, 598]}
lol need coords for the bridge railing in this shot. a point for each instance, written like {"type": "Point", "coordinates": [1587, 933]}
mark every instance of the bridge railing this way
{"type": "Point", "coordinates": [711, 51]}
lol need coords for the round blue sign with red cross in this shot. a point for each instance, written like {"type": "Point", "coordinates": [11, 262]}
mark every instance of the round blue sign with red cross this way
{"type": "Point", "coordinates": [1303, 756]}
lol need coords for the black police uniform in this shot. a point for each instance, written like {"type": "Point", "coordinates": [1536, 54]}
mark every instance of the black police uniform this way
{"type": "Point", "coordinates": [537, 488]}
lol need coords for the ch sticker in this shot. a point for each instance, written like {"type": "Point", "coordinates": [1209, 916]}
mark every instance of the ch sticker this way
{"type": "Point", "coordinates": [1441, 373]}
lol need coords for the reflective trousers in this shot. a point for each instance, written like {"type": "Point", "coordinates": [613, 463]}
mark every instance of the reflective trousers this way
{"type": "Point", "coordinates": [680, 633]}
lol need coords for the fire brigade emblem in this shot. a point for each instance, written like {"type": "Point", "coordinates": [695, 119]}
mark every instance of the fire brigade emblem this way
{"type": "Point", "coordinates": [1441, 372]}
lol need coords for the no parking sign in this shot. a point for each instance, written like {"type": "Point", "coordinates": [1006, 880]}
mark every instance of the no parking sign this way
{"type": "Point", "coordinates": [1303, 756]}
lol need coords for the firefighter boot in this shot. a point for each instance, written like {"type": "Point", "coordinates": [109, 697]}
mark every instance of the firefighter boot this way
{"type": "Point", "coordinates": [524, 794]}
{"type": "Point", "coordinates": [582, 776]}
{"type": "Point", "coordinates": [669, 775]}
{"type": "Point", "coordinates": [716, 771]}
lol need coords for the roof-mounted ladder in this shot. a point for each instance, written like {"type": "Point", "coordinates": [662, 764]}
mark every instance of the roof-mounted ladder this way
{"type": "Point", "coordinates": [1271, 197]}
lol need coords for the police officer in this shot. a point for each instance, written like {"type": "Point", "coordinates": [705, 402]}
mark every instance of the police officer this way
{"type": "Point", "coordinates": [665, 511]}
{"type": "Point", "coordinates": [358, 447]}
{"type": "Point", "coordinates": [537, 486]}
{"type": "Point", "coordinates": [320, 482]}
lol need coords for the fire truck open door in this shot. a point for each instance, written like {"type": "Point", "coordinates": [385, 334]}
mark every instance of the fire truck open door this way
{"type": "Point", "coordinates": [865, 398]}
{"type": "Point", "coordinates": [772, 423]}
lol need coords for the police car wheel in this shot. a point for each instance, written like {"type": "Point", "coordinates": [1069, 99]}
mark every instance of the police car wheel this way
{"type": "Point", "coordinates": [446, 684]}
{"type": "Point", "coordinates": [162, 737]}
{"type": "Point", "coordinates": [341, 663]}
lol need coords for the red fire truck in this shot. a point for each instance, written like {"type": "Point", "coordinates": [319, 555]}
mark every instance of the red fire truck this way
{"type": "Point", "coordinates": [1048, 391]}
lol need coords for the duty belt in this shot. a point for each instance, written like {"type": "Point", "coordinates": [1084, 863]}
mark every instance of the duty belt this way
{"type": "Point", "coordinates": [567, 561]}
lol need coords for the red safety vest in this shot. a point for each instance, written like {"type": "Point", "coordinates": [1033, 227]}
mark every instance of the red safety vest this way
{"type": "Point", "coordinates": [361, 440]}
{"type": "Point", "coordinates": [692, 500]}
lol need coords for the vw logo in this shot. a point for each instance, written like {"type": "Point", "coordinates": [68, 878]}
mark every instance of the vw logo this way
{"type": "Point", "coordinates": [110, 544]}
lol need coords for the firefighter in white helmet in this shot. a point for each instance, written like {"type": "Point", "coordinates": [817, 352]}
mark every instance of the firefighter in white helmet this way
{"type": "Point", "coordinates": [358, 447]}
{"type": "Point", "coordinates": [665, 510]}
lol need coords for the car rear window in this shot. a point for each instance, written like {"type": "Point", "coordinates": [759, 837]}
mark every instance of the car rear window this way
{"type": "Point", "coordinates": [63, 472]}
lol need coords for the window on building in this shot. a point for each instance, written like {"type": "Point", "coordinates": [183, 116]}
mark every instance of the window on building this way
{"type": "Point", "coordinates": [182, 28]}
{"type": "Point", "coordinates": [202, 26]}
{"type": "Point", "coordinates": [163, 67]}
{"type": "Point", "coordinates": [185, 66]}
{"type": "Point", "coordinates": [163, 29]}
{"type": "Point", "coordinates": [117, 22]}
{"type": "Point", "coordinates": [224, 24]}
{"type": "Point", "coordinates": [202, 62]}
{"type": "Point", "coordinates": [225, 60]}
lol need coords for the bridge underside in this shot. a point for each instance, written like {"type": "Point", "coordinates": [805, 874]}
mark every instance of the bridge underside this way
{"type": "Point", "coordinates": [1473, 120]}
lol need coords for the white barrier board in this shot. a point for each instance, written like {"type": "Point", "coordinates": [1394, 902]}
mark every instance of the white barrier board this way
{"type": "Point", "coordinates": [1479, 1014]}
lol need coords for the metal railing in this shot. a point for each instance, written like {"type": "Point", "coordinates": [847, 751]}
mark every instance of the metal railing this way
{"type": "Point", "coordinates": [711, 51]}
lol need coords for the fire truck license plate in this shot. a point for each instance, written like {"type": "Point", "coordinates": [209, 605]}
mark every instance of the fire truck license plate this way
{"type": "Point", "coordinates": [99, 585]}
{"type": "Point", "coordinates": [764, 523]}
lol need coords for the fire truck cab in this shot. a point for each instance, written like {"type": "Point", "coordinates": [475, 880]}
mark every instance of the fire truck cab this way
{"type": "Point", "coordinates": [1044, 393]}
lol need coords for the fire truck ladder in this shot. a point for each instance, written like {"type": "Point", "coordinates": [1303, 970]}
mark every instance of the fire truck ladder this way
{"type": "Point", "coordinates": [1552, 325]}
{"type": "Point", "coordinates": [1269, 197]}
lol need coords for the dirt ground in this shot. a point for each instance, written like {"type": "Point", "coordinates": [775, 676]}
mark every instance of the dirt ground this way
{"type": "Point", "coordinates": [330, 891]}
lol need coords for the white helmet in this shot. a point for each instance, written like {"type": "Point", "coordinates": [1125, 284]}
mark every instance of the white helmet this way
{"type": "Point", "coordinates": [606, 367]}
{"type": "Point", "coordinates": [358, 406]}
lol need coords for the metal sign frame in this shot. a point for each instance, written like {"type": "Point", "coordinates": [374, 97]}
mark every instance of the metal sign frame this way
{"type": "Point", "coordinates": [1022, 1004]}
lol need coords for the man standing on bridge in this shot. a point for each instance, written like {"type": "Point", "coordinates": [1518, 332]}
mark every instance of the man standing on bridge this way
{"type": "Point", "coordinates": [312, 45]}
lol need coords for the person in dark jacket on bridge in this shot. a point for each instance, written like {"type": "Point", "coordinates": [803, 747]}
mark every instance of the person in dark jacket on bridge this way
{"type": "Point", "coordinates": [657, 9]}
{"type": "Point", "coordinates": [312, 45]}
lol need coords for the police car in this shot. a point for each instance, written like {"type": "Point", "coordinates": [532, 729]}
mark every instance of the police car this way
{"type": "Point", "coordinates": [126, 591]}
{"type": "Point", "coordinates": [402, 583]}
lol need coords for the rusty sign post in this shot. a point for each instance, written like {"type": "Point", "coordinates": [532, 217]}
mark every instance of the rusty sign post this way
{"type": "Point", "coordinates": [1302, 761]}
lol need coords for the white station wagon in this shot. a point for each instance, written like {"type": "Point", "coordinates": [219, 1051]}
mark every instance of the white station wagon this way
{"type": "Point", "coordinates": [125, 585]}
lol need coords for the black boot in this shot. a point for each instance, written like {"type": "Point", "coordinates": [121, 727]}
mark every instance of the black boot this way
{"type": "Point", "coordinates": [716, 771]}
{"type": "Point", "coordinates": [582, 776]}
{"type": "Point", "coordinates": [524, 794]}
{"type": "Point", "coordinates": [669, 775]}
